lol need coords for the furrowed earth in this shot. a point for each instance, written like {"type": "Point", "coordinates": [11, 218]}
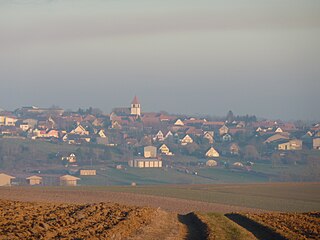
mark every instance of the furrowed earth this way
{"type": "Point", "coordinates": [71, 213]}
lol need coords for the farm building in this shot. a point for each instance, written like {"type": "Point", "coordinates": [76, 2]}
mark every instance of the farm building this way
{"type": "Point", "coordinates": [146, 163]}
{"type": "Point", "coordinates": [5, 180]}
{"type": "Point", "coordinates": [68, 180]}
{"type": "Point", "coordinates": [34, 180]}
{"type": "Point", "coordinates": [150, 152]}
{"type": "Point", "coordinates": [211, 163]}
{"type": "Point", "coordinates": [88, 172]}
{"type": "Point", "coordinates": [291, 145]}
{"type": "Point", "coordinates": [212, 153]}
{"type": "Point", "coordinates": [316, 143]}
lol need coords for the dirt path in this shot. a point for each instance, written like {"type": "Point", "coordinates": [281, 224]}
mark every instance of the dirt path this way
{"type": "Point", "coordinates": [163, 226]}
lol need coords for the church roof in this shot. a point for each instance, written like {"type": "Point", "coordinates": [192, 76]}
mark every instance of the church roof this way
{"type": "Point", "coordinates": [135, 100]}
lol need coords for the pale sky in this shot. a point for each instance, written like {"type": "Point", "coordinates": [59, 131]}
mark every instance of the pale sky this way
{"type": "Point", "coordinates": [181, 56]}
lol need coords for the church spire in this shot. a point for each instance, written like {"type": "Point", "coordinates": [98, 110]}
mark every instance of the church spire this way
{"type": "Point", "coordinates": [135, 100]}
{"type": "Point", "coordinates": [135, 107]}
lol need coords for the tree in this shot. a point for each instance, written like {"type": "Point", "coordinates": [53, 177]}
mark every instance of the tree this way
{"type": "Point", "coordinates": [230, 117]}
{"type": "Point", "coordinates": [191, 148]}
{"type": "Point", "coordinates": [275, 158]}
{"type": "Point", "coordinates": [251, 153]}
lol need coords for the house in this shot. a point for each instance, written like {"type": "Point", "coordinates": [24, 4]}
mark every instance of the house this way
{"type": "Point", "coordinates": [24, 126]}
{"type": "Point", "coordinates": [211, 163]}
{"type": "Point", "coordinates": [8, 120]}
{"type": "Point", "coordinates": [278, 130]}
{"type": "Point", "coordinates": [234, 149]}
{"type": "Point", "coordinates": [165, 150]}
{"type": "Point", "coordinates": [98, 122]}
{"type": "Point", "coordinates": [5, 180]}
{"type": "Point", "coordinates": [145, 163]}
{"type": "Point", "coordinates": [87, 172]}
{"type": "Point", "coordinates": [277, 137]}
{"type": "Point", "coordinates": [316, 143]}
{"type": "Point", "coordinates": [80, 130]}
{"type": "Point", "coordinates": [159, 136]}
{"type": "Point", "coordinates": [227, 137]}
{"type": "Point", "coordinates": [68, 180]}
{"type": "Point", "coordinates": [294, 144]}
{"type": "Point", "coordinates": [288, 127]}
{"type": "Point", "coordinates": [70, 159]}
{"type": "Point", "coordinates": [34, 180]}
{"type": "Point", "coordinates": [52, 133]}
{"type": "Point", "coordinates": [150, 152]}
{"type": "Point", "coordinates": [178, 122]}
{"type": "Point", "coordinates": [116, 125]}
{"type": "Point", "coordinates": [102, 134]}
{"type": "Point", "coordinates": [186, 140]}
{"type": "Point", "coordinates": [168, 135]}
{"type": "Point", "coordinates": [241, 124]}
{"type": "Point", "coordinates": [212, 153]}
{"type": "Point", "coordinates": [223, 130]}
{"type": "Point", "coordinates": [209, 135]}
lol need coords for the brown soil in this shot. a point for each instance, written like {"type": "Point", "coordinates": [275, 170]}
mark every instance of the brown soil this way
{"type": "Point", "coordinates": [75, 195]}
{"type": "Point", "coordinates": [289, 225]}
{"type": "Point", "coordinates": [24, 220]}
{"type": "Point", "coordinates": [30, 220]}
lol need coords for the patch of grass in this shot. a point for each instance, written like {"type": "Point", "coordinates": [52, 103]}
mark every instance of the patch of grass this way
{"type": "Point", "coordinates": [220, 227]}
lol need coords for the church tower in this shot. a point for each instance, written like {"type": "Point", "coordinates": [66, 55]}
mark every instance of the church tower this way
{"type": "Point", "coordinates": [135, 107]}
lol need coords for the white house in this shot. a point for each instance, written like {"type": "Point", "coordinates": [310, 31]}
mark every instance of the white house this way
{"type": "Point", "coordinates": [212, 153]}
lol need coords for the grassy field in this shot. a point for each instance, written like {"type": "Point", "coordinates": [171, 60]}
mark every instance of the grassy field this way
{"type": "Point", "coordinates": [220, 227]}
{"type": "Point", "coordinates": [292, 197]}
{"type": "Point", "coordinates": [112, 176]}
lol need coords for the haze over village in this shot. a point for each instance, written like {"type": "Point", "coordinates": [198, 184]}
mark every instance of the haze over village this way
{"type": "Point", "coordinates": [54, 143]}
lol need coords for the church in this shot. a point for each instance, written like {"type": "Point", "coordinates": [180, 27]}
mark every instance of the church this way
{"type": "Point", "coordinates": [135, 107]}
{"type": "Point", "coordinates": [134, 110]}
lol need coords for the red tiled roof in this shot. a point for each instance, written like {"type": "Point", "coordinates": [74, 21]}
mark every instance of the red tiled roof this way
{"type": "Point", "coordinates": [214, 123]}
{"type": "Point", "coordinates": [135, 100]}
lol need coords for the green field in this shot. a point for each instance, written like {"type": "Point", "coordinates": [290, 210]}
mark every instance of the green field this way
{"type": "Point", "coordinates": [290, 197]}
{"type": "Point", "coordinates": [112, 176]}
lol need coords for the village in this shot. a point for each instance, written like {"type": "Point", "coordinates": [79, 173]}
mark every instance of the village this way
{"type": "Point", "coordinates": [130, 138]}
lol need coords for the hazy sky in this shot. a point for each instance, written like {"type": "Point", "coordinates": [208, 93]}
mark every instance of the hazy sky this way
{"type": "Point", "coordinates": [182, 56]}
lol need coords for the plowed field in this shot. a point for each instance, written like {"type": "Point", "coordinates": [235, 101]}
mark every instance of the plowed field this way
{"type": "Point", "coordinates": [23, 220]}
{"type": "Point", "coordinates": [290, 225]}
